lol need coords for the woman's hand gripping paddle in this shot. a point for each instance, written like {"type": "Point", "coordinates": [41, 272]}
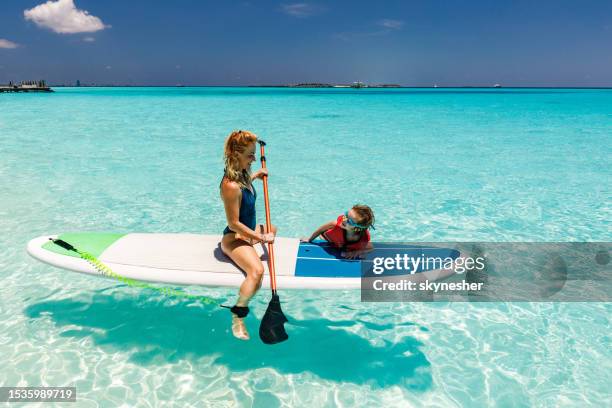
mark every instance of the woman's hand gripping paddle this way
{"type": "Point", "coordinates": [272, 329]}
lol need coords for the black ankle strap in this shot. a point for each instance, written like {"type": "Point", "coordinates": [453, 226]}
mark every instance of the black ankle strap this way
{"type": "Point", "coordinates": [240, 311]}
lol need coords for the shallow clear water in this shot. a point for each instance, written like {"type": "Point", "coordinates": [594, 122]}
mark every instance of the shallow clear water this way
{"type": "Point", "coordinates": [478, 165]}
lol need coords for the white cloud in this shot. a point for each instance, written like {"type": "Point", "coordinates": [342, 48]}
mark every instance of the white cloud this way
{"type": "Point", "coordinates": [89, 39]}
{"type": "Point", "coordinates": [301, 10]}
{"type": "Point", "coordinates": [63, 17]}
{"type": "Point", "coordinates": [392, 24]}
{"type": "Point", "coordinates": [7, 44]}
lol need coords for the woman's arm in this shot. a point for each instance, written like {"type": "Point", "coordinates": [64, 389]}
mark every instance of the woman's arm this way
{"type": "Point", "coordinates": [321, 230]}
{"type": "Point", "coordinates": [231, 195]}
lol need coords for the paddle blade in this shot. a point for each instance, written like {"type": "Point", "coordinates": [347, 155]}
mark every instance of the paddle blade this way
{"type": "Point", "coordinates": [272, 329]}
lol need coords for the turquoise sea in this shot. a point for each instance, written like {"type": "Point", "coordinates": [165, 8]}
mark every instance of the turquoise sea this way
{"type": "Point", "coordinates": [488, 165]}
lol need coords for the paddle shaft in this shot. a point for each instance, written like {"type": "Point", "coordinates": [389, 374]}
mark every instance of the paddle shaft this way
{"type": "Point", "coordinates": [268, 221]}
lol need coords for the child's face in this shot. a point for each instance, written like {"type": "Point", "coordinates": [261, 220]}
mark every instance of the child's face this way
{"type": "Point", "coordinates": [353, 219]}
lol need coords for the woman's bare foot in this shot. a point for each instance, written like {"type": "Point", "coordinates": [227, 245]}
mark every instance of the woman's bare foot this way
{"type": "Point", "coordinates": [239, 330]}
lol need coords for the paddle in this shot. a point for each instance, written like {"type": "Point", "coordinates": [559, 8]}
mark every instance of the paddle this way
{"type": "Point", "coordinates": [272, 329]}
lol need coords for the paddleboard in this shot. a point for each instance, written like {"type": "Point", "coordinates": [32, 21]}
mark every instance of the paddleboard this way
{"type": "Point", "coordinates": [193, 259]}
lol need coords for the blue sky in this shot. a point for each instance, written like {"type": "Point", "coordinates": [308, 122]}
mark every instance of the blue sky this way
{"type": "Point", "coordinates": [413, 43]}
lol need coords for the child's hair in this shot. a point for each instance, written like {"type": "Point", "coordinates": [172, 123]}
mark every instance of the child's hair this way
{"type": "Point", "coordinates": [235, 144]}
{"type": "Point", "coordinates": [365, 213]}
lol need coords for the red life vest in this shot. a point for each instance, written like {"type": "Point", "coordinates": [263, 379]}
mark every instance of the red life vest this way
{"type": "Point", "coordinates": [337, 237]}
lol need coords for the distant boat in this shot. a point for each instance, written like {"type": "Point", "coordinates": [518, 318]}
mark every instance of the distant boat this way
{"type": "Point", "coordinates": [497, 86]}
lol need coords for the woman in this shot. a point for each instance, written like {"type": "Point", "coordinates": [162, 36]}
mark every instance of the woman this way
{"type": "Point", "coordinates": [242, 231]}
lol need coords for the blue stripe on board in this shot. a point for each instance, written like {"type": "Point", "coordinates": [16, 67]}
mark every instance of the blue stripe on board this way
{"type": "Point", "coordinates": [322, 260]}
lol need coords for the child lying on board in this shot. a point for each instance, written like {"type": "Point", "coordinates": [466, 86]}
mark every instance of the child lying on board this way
{"type": "Point", "coordinates": [349, 231]}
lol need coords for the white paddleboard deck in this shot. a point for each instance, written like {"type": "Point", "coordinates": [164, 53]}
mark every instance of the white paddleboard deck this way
{"type": "Point", "coordinates": [193, 259]}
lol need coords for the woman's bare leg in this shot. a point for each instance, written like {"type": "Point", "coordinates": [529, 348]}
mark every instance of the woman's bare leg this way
{"type": "Point", "coordinates": [245, 256]}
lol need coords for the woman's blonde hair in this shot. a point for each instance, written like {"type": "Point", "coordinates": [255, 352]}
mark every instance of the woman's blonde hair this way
{"type": "Point", "coordinates": [235, 144]}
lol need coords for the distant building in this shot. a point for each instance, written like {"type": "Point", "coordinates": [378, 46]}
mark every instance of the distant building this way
{"type": "Point", "coordinates": [78, 83]}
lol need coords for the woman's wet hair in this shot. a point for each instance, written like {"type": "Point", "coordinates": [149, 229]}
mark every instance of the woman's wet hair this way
{"type": "Point", "coordinates": [365, 214]}
{"type": "Point", "coordinates": [235, 144]}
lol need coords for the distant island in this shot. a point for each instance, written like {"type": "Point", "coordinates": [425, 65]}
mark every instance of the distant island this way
{"type": "Point", "coordinates": [323, 85]}
{"type": "Point", "coordinates": [26, 86]}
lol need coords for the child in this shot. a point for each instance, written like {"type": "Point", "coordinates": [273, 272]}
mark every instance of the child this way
{"type": "Point", "coordinates": [349, 231]}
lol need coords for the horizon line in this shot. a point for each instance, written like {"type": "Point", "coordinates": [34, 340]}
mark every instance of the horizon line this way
{"type": "Point", "coordinates": [327, 87]}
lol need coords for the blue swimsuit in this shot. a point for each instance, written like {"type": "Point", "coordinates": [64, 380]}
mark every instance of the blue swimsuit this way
{"type": "Point", "coordinates": [247, 210]}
